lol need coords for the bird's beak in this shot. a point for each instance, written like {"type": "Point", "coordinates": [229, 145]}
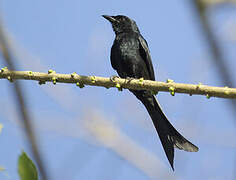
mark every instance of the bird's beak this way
{"type": "Point", "coordinates": [109, 18]}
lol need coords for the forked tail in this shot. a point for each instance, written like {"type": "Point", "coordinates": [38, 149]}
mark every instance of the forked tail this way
{"type": "Point", "coordinates": [169, 136]}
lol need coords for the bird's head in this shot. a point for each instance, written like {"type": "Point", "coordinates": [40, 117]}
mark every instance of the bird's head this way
{"type": "Point", "coordinates": [122, 23]}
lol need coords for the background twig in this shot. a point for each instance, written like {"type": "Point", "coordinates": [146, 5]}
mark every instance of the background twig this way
{"type": "Point", "coordinates": [21, 104]}
{"type": "Point", "coordinates": [201, 7]}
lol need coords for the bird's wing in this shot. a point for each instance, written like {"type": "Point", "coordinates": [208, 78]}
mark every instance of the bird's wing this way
{"type": "Point", "coordinates": [115, 56]}
{"type": "Point", "coordinates": [145, 54]}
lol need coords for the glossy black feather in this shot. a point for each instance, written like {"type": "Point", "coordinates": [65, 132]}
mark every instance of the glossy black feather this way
{"type": "Point", "coordinates": [145, 54]}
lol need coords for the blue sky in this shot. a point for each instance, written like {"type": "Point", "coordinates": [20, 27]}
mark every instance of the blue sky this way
{"type": "Point", "coordinates": [95, 133]}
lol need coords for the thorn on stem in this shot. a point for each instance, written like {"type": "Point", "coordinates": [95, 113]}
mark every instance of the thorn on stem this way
{"type": "Point", "coordinates": [54, 80]}
{"type": "Point", "coordinates": [93, 79]}
{"type": "Point", "coordinates": [81, 85]}
{"type": "Point", "coordinates": [172, 91]}
{"type": "Point", "coordinates": [208, 96]}
{"type": "Point", "coordinates": [118, 86]}
{"type": "Point", "coordinates": [73, 74]}
{"type": "Point", "coordinates": [169, 81]}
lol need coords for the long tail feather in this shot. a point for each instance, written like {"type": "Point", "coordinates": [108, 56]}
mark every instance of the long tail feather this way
{"type": "Point", "coordinates": [169, 136]}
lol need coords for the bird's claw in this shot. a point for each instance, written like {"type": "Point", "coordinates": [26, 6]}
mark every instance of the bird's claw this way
{"type": "Point", "coordinates": [112, 78]}
{"type": "Point", "coordinates": [129, 79]}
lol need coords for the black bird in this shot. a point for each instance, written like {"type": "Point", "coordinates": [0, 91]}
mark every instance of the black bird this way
{"type": "Point", "coordinates": [130, 57]}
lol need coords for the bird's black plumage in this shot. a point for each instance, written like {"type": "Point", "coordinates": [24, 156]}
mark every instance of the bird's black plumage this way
{"type": "Point", "coordinates": [130, 57]}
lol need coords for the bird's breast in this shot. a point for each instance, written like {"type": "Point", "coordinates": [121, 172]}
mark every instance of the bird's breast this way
{"type": "Point", "coordinates": [128, 48]}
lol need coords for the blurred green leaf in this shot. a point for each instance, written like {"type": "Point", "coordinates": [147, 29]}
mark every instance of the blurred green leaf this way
{"type": "Point", "coordinates": [26, 168]}
{"type": "Point", "coordinates": [1, 126]}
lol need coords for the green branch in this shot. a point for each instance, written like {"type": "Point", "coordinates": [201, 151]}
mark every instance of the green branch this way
{"type": "Point", "coordinates": [135, 84]}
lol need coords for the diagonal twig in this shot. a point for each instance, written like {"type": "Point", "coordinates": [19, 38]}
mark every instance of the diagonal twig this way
{"type": "Point", "coordinates": [21, 104]}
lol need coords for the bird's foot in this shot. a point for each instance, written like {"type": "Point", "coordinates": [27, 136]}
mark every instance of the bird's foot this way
{"type": "Point", "coordinates": [112, 78]}
{"type": "Point", "coordinates": [129, 79]}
